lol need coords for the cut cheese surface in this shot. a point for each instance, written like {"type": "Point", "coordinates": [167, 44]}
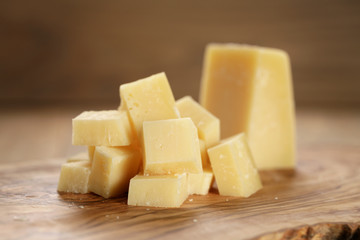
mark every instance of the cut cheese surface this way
{"type": "Point", "coordinates": [250, 90]}
{"type": "Point", "coordinates": [148, 99]}
{"type": "Point", "coordinates": [112, 169]}
{"type": "Point", "coordinates": [102, 128]}
{"type": "Point", "coordinates": [158, 191]}
{"type": "Point", "coordinates": [207, 124]}
{"type": "Point", "coordinates": [171, 146]}
{"type": "Point", "coordinates": [74, 177]}
{"type": "Point", "coordinates": [200, 183]}
{"type": "Point", "coordinates": [233, 167]}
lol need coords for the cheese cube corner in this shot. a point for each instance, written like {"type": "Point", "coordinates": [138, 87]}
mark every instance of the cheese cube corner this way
{"type": "Point", "coordinates": [102, 128]}
{"type": "Point", "coordinates": [207, 124]}
{"type": "Point", "coordinates": [200, 183]}
{"type": "Point", "coordinates": [112, 169]}
{"type": "Point", "coordinates": [171, 146]}
{"type": "Point", "coordinates": [74, 177]}
{"type": "Point", "coordinates": [233, 167]}
{"type": "Point", "coordinates": [148, 99]}
{"type": "Point", "coordinates": [158, 191]}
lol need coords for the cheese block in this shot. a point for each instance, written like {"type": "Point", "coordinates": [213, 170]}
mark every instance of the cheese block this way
{"type": "Point", "coordinates": [250, 90]}
{"type": "Point", "coordinates": [102, 128]}
{"type": "Point", "coordinates": [158, 191]}
{"type": "Point", "coordinates": [233, 167]}
{"type": "Point", "coordinates": [74, 177]}
{"type": "Point", "coordinates": [148, 99]}
{"type": "Point", "coordinates": [204, 154]}
{"type": "Point", "coordinates": [200, 183]}
{"type": "Point", "coordinates": [112, 169]}
{"type": "Point", "coordinates": [207, 124]}
{"type": "Point", "coordinates": [171, 146]}
{"type": "Point", "coordinates": [81, 156]}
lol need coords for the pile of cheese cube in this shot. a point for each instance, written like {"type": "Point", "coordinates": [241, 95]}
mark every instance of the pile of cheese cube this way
{"type": "Point", "coordinates": [157, 149]}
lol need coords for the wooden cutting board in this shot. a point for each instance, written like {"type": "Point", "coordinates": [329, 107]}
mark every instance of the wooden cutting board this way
{"type": "Point", "coordinates": [324, 188]}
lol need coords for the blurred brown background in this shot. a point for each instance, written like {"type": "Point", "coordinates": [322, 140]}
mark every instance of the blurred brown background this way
{"type": "Point", "coordinates": [79, 52]}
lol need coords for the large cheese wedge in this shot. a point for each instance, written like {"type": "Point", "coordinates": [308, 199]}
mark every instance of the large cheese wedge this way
{"type": "Point", "coordinates": [171, 146]}
{"type": "Point", "coordinates": [112, 169]}
{"type": "Point", "coordinates": [74, 177]}
{"type": "Point", "coordinates": [148, 99]}
{"type": "Point", "coordinates": [250, 90]}
{"type": "Point", "coordinates": [207, 124]}
{"type": "Point", "coordinates": [102, 128]}
{"type": "Point", "coordinates": [233, 167]}
{"type": "Point", "coordinates": [158, 191]}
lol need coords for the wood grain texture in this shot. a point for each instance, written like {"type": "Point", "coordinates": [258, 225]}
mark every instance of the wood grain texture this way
{"type": "Point", "coordinates": [324, 188]}
{"type": "Point", "coordinates": [74, 51]}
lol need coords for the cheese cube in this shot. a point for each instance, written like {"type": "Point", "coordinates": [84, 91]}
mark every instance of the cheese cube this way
{"type": "Point", "coordinates": [207, 124]}
{"type": "Point", "coordinates": [74, 177]}
{"type": "Point", "coordinates": [102, 128]}
{"type": "Point", "coordinates": [82, 156]}
{"type": "Point", "coordinates": [158, 191]}
{"type": "Point", "coordinates": [171, 146]}
{"type": "Point", "coordinates": [148, 99]}
{"type": "Point", "coordinates": [250, 90]}
{"type": "Point", "coordinates": [200, 183]}
{"type": "Point", "coordinates": [112, 169]}
{"type": "Point", "coordinates": [204, 154]}
{"type": "Point", "coordinates": [234, 169]}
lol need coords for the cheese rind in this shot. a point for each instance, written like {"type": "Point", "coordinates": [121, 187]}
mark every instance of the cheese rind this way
{"type": "Point", "coordinates": [102, 128]}
{"type": "Point", "coordinates": [233, 167]}
{"type": "Point", "coordinates": [148, 99]}
{"type": "Point", "coordinates": [74, 177]}
{"type": "Point", "coordinates": [250, 90]}
{"type": "Point", "coordinates": [171, 146]}
{"type": "Point", "coordinates": [158, 191]}
{"type": "Point", "coordinates": [112, 169]}
{"type": "Point", "coordinates": [207, 124]}
{"type": "Point", "coordinates": [200, 183]}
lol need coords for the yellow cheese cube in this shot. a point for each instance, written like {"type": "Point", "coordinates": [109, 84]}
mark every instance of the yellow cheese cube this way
{"type": "Point", "coordinates": [200, 183]}
{"type": "Point", "coordinates": [112, 169]}
{"type": "Point", "coordinates": [74, 177]}
{"type": "Point", "coordinates": [102, 128]}
{"type": "Point", "coordinates": [204, 154]}
{"type": "Point", "coordinates": [148, 99]}
{"type": "Point", "coordinates": [82, 156]}
{"type": "Point", "coordinates": [207, 124]}
{"type": "Point", "coordinates": [171, 146]}
{"type": "Point", "coordinates": [234, 170]}
{"type": "Point", "coordinates": [158, 191]}
{"type": "Point", "coordinates": [250, 90]}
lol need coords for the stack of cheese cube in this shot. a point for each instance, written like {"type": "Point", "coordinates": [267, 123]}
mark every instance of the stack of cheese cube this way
{"type": "Point", "coordinates": [157, 150]}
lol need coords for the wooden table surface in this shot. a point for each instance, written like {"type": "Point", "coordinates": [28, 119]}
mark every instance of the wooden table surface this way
{"type": "Point", "coordinates": [34, 142]}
